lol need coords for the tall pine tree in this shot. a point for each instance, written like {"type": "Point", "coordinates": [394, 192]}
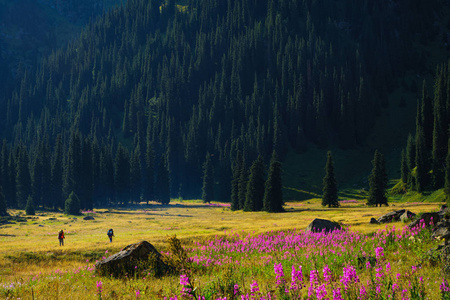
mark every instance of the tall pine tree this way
{"type": "Point", "coordinates": [3, 211]}
{"type": "Point", "coordinates": [23, 177]}
{"type": "Point", "coordinates": [330, 190]}
{"type": "Point", "coordinates": [242, 185]}
{"type": "Point", "coordinates": [122, 175]}
{"type": "Point", "coordinates": [208, 180]}
{"type": "Point", "coordinates": [57, 172]}
{"type": "Point", "coordinates": [255, 186]}
{"type": "Point", "coordinates": [235, 182]}
{"type": "Point", "coordinates": [163, 182]}
{"type": "Point", "coordinates": [273, 193]}
{"type": "Point", "coordinates": [136, 175]}
{"type": "Point", "coordinates": [404, 171]}
{"type": "Point", "coordinates": [447, 174]}
{"type": "Point", "coordinates": [378, 181]}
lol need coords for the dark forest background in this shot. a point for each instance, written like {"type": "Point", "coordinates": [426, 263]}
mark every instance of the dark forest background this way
{"type": "Point", "coordinates": [136, 99]}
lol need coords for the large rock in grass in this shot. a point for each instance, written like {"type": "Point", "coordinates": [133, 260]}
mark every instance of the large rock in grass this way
{"type": "Point", "coordinates": [319, 225]}
{"type": "Point", "coordinates": [425, 218]}
{"type": "Point", "coordinates": [392, 216]}
{"type": "Point", "coordinates": [131, 260]}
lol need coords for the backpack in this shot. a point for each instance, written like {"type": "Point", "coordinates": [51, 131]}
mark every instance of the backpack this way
{"type": "Point", "coordinates": [110, 232]}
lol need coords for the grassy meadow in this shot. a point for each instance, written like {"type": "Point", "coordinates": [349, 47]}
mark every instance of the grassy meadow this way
{"type": "Point", "coordinates": [226, 252]}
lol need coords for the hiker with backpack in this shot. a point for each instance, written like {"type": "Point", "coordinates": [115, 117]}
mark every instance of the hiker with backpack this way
{"type": "Point", "coordinates": [61, 238]}
{"type": "Point", "coordinates": [110, 235]}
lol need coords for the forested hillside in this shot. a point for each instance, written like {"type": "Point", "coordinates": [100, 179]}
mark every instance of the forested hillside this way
{"type": "Point", "coordinates": [151, 87]}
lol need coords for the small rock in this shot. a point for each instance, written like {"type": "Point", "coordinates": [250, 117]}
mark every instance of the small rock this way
{"type": "Point", "coordinates": [88, 218]}
{"type": "Point", "coordinates": [374, 221]}
{"type": "Point", "coordinates": [407, 216]}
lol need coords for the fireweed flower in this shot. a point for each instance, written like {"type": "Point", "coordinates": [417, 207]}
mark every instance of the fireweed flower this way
{"type": "Point", "coordinates": [236, 289]}
{"type": "Point", "coordinates": [388, 267]}
{"type": "Point", "coordinates": [444, 286]}
{"type": "Point", "coordinates": [349, 276]}
{"type": "Point", "coordinates": [296, 278]}
{"type": "Point", "coordinates": [321, 292]}
{"type": "Point", "coordinates": [362, 292]}
{"type": "Point", "coordinates": [327, 274]}
{"type": "Point", "coordinates": [313, 282]}
{"type": "Point", "coordinates": [254, 288]}
{"type": "Point", "coordinates": [379, 252]}
{"type": "Point", "coordinates": [184, 281]}
{"type": "Point", "coordinates": [337, 294]}
{"type": "Point", "coordinates": [279, 274]}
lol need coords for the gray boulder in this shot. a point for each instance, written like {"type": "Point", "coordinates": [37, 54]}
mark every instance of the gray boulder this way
{"type": "Point", "coordinates": [131, 260]}
{"type": "Point", "coordinates": [89, 218]}
{"type": "Point", "coordinates": [319, 225]}
{"type": "Point", "coordinates": [407, 216]}
{"type": "Point", "coordinates": [425, 218]}
{"type": "Point", "coordinates": [392, 216]}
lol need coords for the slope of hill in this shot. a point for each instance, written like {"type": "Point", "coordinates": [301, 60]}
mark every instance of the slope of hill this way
{"type": "Point", "coordinates": [180, 80]}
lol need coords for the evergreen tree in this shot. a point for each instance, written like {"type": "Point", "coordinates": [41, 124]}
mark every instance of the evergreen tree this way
{"type": "Point", "coordinates": [163, 182]}
{"type": "Point", "coordinates": [136, 177]}
{"type": "Point", "coordinates": [72, 205]}
{"type": "Point", "coordinates": [426, 117]}
{"type": "Point", "coordinates": [411, 161]}
{"type": "Point", "coordinates": [255, 186]}
{"type": "Point", "coordinates": [208, 180]}
{"type": "Point", "coordinates": [149, 177]}
{"type": "Point", "coordinates": [421, 157]}
{"type": "Point", "coordinates": [11, 185]}
{"type": "Point", "coordinates": [440, 128]}
{"type": "Point", "coordinates": [235, 182]}
{"type": "Point", "coordinates": [57, 172]}
{"type": "Point", "coordinates": [106, 182]}
{"type": "Point", "coordinates": [330, 190]}
{"type": "Point", "coordinates": [404, 171]}
{"type": "Point", "coordinates": [86, 172]}
{"type": "Point", "coordinates": [23, 178]}
{"type": "Point", "coordinates": [4, 171]}
{"type": "Point", "coordinates": [36, 181]}
{"type": "Point", "coordinates": [122, 175]}
{"type": "Point", "coordinates": [447, 174]}
{"type": "Point", "coordinates": [72, 171]}
{"type": "Point", "coordinates": [29, 208]}
{"type": "Point", "coordinates": [378, 181]}
{"type": "Point", "coordinates": [273, 193]}
{"type": "Point", "coordinates": [3, 211]}
{"type": "Point", "coordinates": [242, 185]}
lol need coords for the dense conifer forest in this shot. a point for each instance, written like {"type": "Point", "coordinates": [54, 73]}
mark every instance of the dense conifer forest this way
{"type": "Point", "coordinates": [159, 99]}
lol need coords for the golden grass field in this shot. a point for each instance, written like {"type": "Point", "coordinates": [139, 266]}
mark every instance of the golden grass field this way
{"type": "Point", "coordinates": [30, 248]}
{"type": "Point", "coordinates": [187, 220]}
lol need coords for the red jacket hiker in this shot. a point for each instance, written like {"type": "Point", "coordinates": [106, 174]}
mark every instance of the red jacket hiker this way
{"type": "Point", "coordinates": [61, 238]}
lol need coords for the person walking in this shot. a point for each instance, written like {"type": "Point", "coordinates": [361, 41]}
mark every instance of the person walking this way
{"type": "Point", "coordinates": [110, 235]}
{"type": "Point", "coordinates": [61, 238]}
